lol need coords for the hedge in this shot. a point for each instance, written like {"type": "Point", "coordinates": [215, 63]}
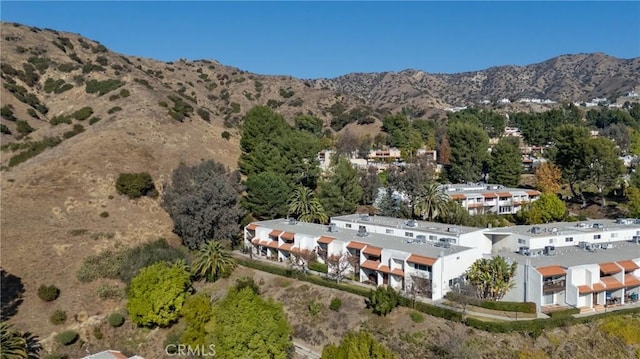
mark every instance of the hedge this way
{"type": "Point", "coordinates": [522, 307]}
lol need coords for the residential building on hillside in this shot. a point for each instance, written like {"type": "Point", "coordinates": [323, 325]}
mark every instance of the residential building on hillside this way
{"type": "Point", "coordinates": [480, 198]}
{"type": "Point", "coordinates": [416, 262]}
{"type": "Point", "coordinates": [581, 264]}
{"type": "Point", "coordinates": [111, 354]}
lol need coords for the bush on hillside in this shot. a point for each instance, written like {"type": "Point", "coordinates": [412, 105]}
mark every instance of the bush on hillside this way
{"type": "Point", "coordinates": [115, 320]}
{"type": "Point", "coordinates": [67, 337]}
{"type": "Point", "coordinates": [335, 305]}
{"type": "Point", "coordinates": [58, 317]}
{"type": "Point", "coordinates": [135, 185]}
{"type": "Point", "coordinates": [48, 293]}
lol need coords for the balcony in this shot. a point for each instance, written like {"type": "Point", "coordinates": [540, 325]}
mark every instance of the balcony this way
{"type": "Point", "coordinates": [557, 285]}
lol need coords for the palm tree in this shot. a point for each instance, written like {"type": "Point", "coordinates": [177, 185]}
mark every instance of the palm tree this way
{"type": "Point", "coordinates": [492, 278]}
{"type": "Point", "coordinates": [306, 206]}
{"type": "Point", "coordinates": [431, 202]}
{"type": "Point", "coordinates": [17, 345]}
{"type": "Point", "coordinates": [212, 261]}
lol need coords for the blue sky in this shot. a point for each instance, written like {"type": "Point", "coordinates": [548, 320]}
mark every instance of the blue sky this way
{"type": "Point", "coordinates": [328, 39]}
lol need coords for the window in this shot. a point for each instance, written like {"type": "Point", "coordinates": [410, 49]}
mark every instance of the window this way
{"type": "Point", "coordinates": [423, 267]}
{"type": "Point", "coordinates": [522, 241]}
{"type": "Point", "coordinates": [348, 225]}
{"type": "Point", "coordinates": [614, 235]}
{"type": "Point", "coordinates": [408, 234]}
{"type": "Point", "coordinates": [596, 236]}
{"type": "Point", "coordinates": [505, 209]}
{"type": "Point", "coordinates": [568, 239]}
{"type": "Point", "coordinates": [433, 238]}
{"type": "Point", "coordinates": [389, 231]}
{"type": "Point", "coordinates": [552, 240]}
{"type": "Point", "coordinates": [504, 198]}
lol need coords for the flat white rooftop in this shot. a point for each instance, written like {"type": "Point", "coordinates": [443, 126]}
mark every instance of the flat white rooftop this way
{"type": "Point", "coordinates": [374, 239]}
{"type": "Point", "coordinates": [568, 228]}
{"type": "Point", "coordinates": [421, 226]}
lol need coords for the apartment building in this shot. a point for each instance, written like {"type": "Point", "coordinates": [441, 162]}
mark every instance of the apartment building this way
{"type": "Point", "coordinates": [431, 267]}
{"type": "Point", "coordinates": [584, 264]}
{"type": "Point", "coordinates": [581, 264]}
{"type": "Point", "coordinates": [480, 198]}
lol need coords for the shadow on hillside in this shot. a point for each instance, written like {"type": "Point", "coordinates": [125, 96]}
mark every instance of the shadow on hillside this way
{"type": "Point", "coordinates": [11, 295]}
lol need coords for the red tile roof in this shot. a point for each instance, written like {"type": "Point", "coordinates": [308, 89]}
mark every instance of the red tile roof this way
{"type": "Point", "coordinates": [489, 195]}
{"type": "Point", "coordinates": [610, 268]}
{"type": "Point", "coordinates": [533, 193]}
{"type": "Point", "coordinates": [373, 265]}
{"type": "Point", "coordinates": [397, 271]}
{"type": "Point", "coordinates": [611, 283]}
{"type": "Point", "coordinates": [252, 226]}
{"type": "Point", "coordinates": [504, 194]}
{"type": "Point", "coordinates": [551, 271]}
{"type": "Point", "coordinates": [288, 236]}
{"type": "Point", "coordinates": [628, 265]}
{"type": "Point", "coordinates": [273, 244]}
{"type": "Point", "coordinates": [598, 287]}
{"type": "Point", "coordinates": [356, 245]}
{"type": "Point", "coordinates": [286, 247]}
{"type": "Point", "coordinates": [255, 241]}
{"type": "Point", "coordinates": [384, 269]}
{"type": "Point", "coordinates": [456, 196]}
{"type": "Point", "coordinates": [373, 251]}
{"type": "Point", "coordinates": [631, 280]}
{"type": "Point", "coordinates": [275, 233]}
{"type": "Point", "coordinates": [427, 261]}
{"type": "Point", "coordinates": [584, 289]}
{"type": "Point", "coordinates": [325, 240]}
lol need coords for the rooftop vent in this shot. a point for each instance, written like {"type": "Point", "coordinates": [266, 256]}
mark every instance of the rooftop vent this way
{"type": "Point", "coordinates": [536, 230]}
{"type": "Point", "coordinates": [292, 221]}
{"type": "Point", "coordinates": [523, 251]}
{"type": "Point", "coordinates": [598, 225]}
{"type": "Point", "coordinates": [365, 217]}
{"type": "Point", "coordinates": [362, 232]}
{"type": "Point", "coordinates": [412, 223]}
{"type": "Point", "coordinates": [549, 250]}
{"type": "Point", "coordinates": [453, 230]}
{"type": "Point", "coordinates": [421, 238]}
{"type": "Point", "coordinates": [332, 227]}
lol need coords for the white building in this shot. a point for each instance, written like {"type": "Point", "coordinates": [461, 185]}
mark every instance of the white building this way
{"type": "Point", "coordinates": [480, 198]}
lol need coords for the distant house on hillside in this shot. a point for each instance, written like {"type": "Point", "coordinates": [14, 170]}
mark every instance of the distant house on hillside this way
{"type": "Point", "coordinates": [111, 354]}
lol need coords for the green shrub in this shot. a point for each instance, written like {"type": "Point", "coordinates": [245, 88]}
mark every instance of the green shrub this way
{"type": "Point", "coordinates": [114, 110]}
{"type": "Point", "coordinates": [34, 149]}
{"type": "Point", "coordinates": [58, 317]}
{"type": "Point", "coordinates": [124, 93]}
{"type": "Point", "coordinates": [90, 67]}
{"type": "Point", "coordinates": [115, 320]}
{"type": "Point", "coordinates": [67, 337]}
{"type": "Point", "coordinates": [83, 113]}
{"type": "Point", "coordinates": [93, 120]}
{"type": "Point", "coordinates": [104, 214]}
{"type": "Point", "coordinates": [318, 267]}
{"type": "Point", "coordinates": [106, 291]}
{"type": "Point", "coordinates": [335, 304]}
{"type": "Point", "coordinates": [286, 93]}
{"type": "Point", "coordinates": [226, 135]}
{"type": "Point", "coordinates": [48, 293]}
{"type": "Point", "coordinates": [56, 120]}
{"type": "Point", "coordinates": [246, 282]}
{"type": "Point", "coordinates": [416, 317]}
{"type": "Point", "coordinates": [522, 307]}
{"type": "Point", "coordinates": [204, 114]}
{"type": "Point", "coordinates": [6, 112]}
{"type": "Point", "coordinates": [77, 128]}
{"type": "Point", "coordinates": [68, 67]}
{"type": "Point", "coordinates": [102, 60]}
{"type": "Point", "coordinates": [383, 300]}
{"type": "Point", "coordinates": [135, 185]}
{"type": "Point", "coordinates": [315, 307]}
{"type": "Point", "coordinates": [4, 129]}
{"type": "Point", "coordinates": [56, 356]}
{"type": "Point", "coordinates": [144, 83]}
{"type": "Point", "coordinates": [163, 104]}
{"type": "Point", "coordinates": [23, 127]}
{"type": "Point", "coordinates": [104, 265]}
{"type": "Point", "coordinates": [98, 49]}
{"type": "Point", "coordinates": [102, 87]}
{"type": "Point", "coordinates": [97, 333]}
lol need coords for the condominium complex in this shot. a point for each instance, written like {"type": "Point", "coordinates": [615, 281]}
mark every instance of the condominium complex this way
{"type": "Point", "coordinates": [581, 264]}
{"type": "Point", "coordinates": [480, 198]}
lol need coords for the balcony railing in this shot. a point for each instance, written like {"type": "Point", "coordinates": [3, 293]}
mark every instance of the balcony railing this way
{"type": "Point", "coordinates": [554, 286]}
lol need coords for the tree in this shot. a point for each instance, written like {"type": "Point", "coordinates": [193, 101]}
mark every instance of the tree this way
{"type": "Point", "coordinates": [633, 201]}
{"type": "Point", "coordinates": [431, 203]}
{"type": "Point", "coordinates": [360, 345]}
{"type": "Point", "coordinates": [548, 178]}
{"type": "Point", "coordinates": [15, 344]}
{"type": "Point", "coordinates": [370, 184]}
{"type": "Point", "coordinates": [547, 208]}
{"type": "Point", "coordinates": [135, 185]}
{"type": "Point", "coordinates": [469, 144]}
{"type": "Point", "coordinates": [411, 180]}
{"type": "Point", "coordinates": [203, 202]}
{"type": "Point", "coordinates": [300, 259]}
{"type": "Point", "coordinates": [346, 144]}
{"type": "Point", "coordinates": [340, 265]}
{"type": "Point", "coordinates": [306, 207]}
{"type": "Point", "coordinates": [157, 294]}
{"type": "Point", "coordinates": [391, 205]}
{"type": "Point", "coordinates": [605, 168]}
{"type": "Point", "coordinates": [570, 157]}
{"type": "Point", "coordinates": [197, 312]}
{"type": "Point", "coordinates": [492, 278]}
{"type": "Point", "coordinates": [11, 294]}
{"type": "Point", "coordinates": [267, 194]}
{"type": "Point", "coordinates": [246, 326]}
{"type": "Point", "coordinates": [383, 300]}
{"type": "Point", "coordinates": [506, 162]}
{"type": "Point", "coordinates": [213, 261]}
{"type": "Point", "coordinates": [341, 193]}
{"type": "Point", "coordinates": [310, 124]}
